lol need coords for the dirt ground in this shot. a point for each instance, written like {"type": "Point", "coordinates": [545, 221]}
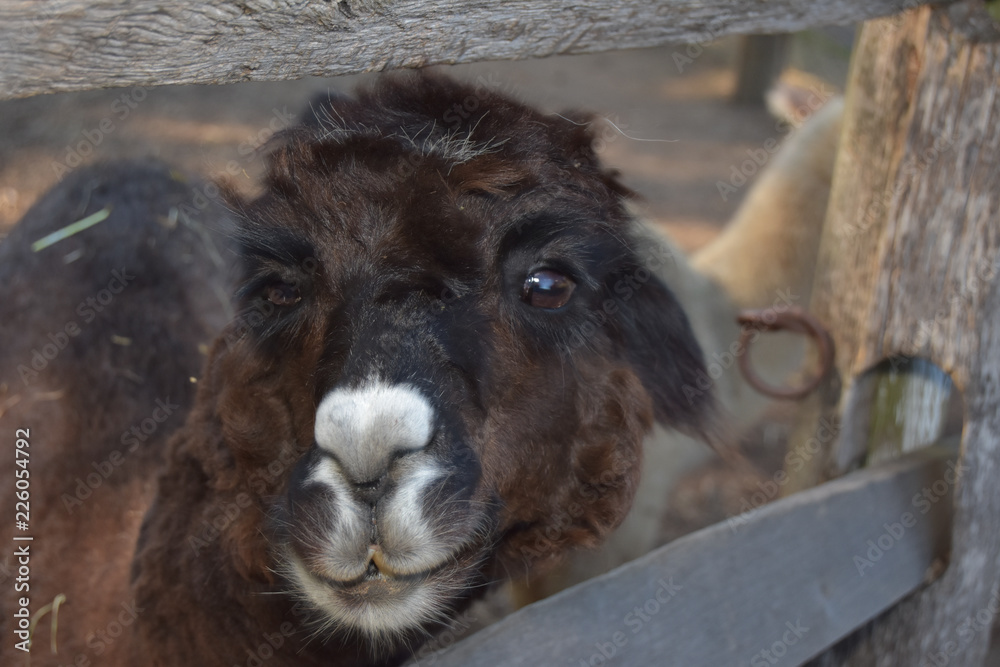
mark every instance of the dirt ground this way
{"type": "Point", "coordinates": [673, 134]}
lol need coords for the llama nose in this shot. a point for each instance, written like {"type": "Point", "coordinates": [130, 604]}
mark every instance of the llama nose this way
{"type": "Point", "coordinates": [369, 492]}
{"type": "Point", "coordinates": [366, 428]}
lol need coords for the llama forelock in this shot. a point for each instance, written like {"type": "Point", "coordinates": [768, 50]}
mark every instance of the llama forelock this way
{"type": "Point", "coordinates": [455, 145]}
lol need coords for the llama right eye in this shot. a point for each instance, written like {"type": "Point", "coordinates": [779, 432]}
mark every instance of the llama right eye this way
{"type": "Point", "coordinates": [283, 294]}
{"type": "Point", "coordinates": [547, 289]}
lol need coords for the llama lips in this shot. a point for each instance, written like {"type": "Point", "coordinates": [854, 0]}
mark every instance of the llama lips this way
{"type": "Point", "coordinates": [376, 582]}
{"type": "Point", "coordinates": [383, 602]}
{"type": "Point", "coordinates": [375, 585]}
{"type": "Point", "coordinates": [375, 592]}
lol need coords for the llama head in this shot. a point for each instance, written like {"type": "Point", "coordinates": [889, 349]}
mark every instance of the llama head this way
{"type": "Point", "coordinates": [451, 335]}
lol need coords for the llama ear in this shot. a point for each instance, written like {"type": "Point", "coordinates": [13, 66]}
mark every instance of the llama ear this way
{"type": "Point", "coordinates": [579, 132]}
{"type": "Point", "coordinates": [321, 112]}
{"type": "Point", "coordinates": [576, 131]}
{"type": "Point", "coordinates": [229, 193]}
{"type": "Point", "coordinates": [661, 347]}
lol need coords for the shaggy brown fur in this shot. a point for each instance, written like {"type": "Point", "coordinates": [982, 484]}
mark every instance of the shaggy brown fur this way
{"type": "Point", "coordinates": [101, 334]}
{"type": "Point", "coordinates": [394, 238]}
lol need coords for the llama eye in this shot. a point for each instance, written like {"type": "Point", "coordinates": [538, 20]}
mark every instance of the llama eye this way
{"type": "Point", "coordinates": [547, 289]}
{"type": "Point", "coordinates": [282, 294]}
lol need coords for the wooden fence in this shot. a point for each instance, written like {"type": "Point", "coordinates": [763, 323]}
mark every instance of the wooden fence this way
{"type": "Point", "coordinates": [787, 581]}
{"type": "Point", "coordinates": [911, 245]}
{"type": "Point", "coordinates": [61, 45]}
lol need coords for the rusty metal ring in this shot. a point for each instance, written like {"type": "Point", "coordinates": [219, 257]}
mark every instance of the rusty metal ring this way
{"type": "Point", "coordinates": [789, 319]}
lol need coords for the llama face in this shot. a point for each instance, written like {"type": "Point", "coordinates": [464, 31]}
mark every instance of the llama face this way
{"type": "Point", "coordinates": [454, 337]}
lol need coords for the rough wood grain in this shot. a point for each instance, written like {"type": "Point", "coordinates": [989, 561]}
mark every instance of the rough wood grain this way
{"type": "Point", "coordinates": [908, 266]}
{"type": "Point", "coordinates": [799, 574]}
{"type": "Point", "coordinates": [60, 45]}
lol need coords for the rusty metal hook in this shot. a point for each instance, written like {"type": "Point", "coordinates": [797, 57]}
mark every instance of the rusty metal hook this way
{"type": "Point", "coordinates": [788, 319]}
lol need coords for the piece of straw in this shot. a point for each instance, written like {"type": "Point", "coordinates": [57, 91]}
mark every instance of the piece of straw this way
{"type": "Point", "coordinates": [70, 230]}
{"type": "Point", "coordinates": [50, 607]}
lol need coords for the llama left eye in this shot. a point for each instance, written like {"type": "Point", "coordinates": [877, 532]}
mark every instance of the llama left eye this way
{"type": "Point", "coordinates": [282, 294]}
{"type": "Point", "coordinates": [548, 289]}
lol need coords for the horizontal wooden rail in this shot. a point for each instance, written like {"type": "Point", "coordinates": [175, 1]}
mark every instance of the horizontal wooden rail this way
{"type": "Point", "coordinates": [61, 45]}
{"type": "Point", "coordinates": [776, 587]}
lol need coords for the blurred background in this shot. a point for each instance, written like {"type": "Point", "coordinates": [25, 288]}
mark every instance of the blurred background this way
{"type": "Point", "coordinates": [681, 131]}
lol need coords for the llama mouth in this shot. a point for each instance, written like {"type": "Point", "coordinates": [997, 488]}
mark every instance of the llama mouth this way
{"type": "Point", "coordinates": [376, 591]}
{"type": "Point", "coordinates": [377, 581]}
{"type": "Point", "coordinates": [375, 603]}
{"type": "Point", "coordinates": [383, 603]}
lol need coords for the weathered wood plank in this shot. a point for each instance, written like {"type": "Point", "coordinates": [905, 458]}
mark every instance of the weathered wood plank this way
{"type": "Point", "coordinates": [790, 579]}
{"type": "Point", "coordinates": [908, 266]}
{"type": "Point", "coordinates": [61, 45]}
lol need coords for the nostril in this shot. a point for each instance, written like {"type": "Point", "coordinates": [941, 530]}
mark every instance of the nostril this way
{"type": "Point", "coordinates": [370, 491]}
{"type": "Point", "coordinates": [371, 484]}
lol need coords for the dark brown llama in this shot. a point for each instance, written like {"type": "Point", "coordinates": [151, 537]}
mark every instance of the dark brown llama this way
{"type": "Point", "coordinates": [449, 343]}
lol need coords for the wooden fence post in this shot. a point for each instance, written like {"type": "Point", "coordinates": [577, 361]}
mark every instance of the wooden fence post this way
{"type": "Point", "coordinates": [761, 59]}
{"type": "Point", "coordinates": [908, 266]}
